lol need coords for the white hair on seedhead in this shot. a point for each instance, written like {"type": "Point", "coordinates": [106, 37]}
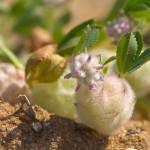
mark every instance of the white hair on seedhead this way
{"type": "Point", "coordinates": [140, 76]}
{"type": "Point", "coordinates": [108, 107]}
{"type": "Point", "coordinates": [102, 103]}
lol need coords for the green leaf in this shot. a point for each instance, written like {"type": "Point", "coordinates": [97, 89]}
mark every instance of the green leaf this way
{"type": "Point", "coordinates": [136, 5]}
{"type": "Point", "coordinates": [75, 38]}
{"type": "Point", "coordinates": [69, 47]}
{"type": "Point", "coordinates": [142, 15]}
{"type": "Point", "coordinates": [65, 18]}
{"type": "Point", "coordinates": [9, 55]}
{"type": "Point", "coordinates": [21, 7]}
{"type": "Point", "coordinates": [140, 43]}
{"type": "Point", "coordinates": [112, 58]}
{"type": "Point", "coordinates": [129, 48]}
{"type": "Point", "coordinates": [73, 33]}
{"type": "Point", "coordinates": [142, 59]}
{"type": "Point", "coordinates": [27, 22]}
{"type": "Point", "coordinates": [57, 32]}
{"type": "Point", "coordinates": [88, 39]}
{"type": "Point", "coordinates": [121, 52]}
{"type": "Point", "coordinates": [129, 57]}
{"type": "Point", "coordinates": [131, 8]}
{"type": "Point", "coordinates": [80, 45]}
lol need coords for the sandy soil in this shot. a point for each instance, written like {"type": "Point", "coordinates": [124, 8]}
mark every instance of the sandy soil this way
{"type": "Point", "coordinates": [21, 130]}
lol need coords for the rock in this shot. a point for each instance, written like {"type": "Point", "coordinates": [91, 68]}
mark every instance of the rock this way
{"type": "Point", "coordinates": [12, 82]}
{"type": "Point", "coordinates": [58, 133]}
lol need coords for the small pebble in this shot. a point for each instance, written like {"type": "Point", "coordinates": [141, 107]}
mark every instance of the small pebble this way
{"type": "Point", "coordinates": [37, 126]}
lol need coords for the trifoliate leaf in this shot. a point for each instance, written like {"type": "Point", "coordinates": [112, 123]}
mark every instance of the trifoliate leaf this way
{"type": "Point", "coordinates": [140, 43]}
{"type": "Point", "coordinates": [129, 57]}
{"type": "Point", "coordinates": [88, 39]}
{"type": "Point", "coordinates": [129, 48]}
{"type": "Point", "coordinates": [121, 52]}
{"type": "Point", "coordinates": [131, 51]}
{"type": "Point", "coordinates": [73, 33]}
{"type": "Point", "coordinates": [73, 38]}
{"type": "Point", "coordinates": [142, 59]}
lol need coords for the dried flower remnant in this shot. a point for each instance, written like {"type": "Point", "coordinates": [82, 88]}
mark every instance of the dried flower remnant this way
{"type": "Point", "coordinates": [119, 26]}
{"type": "Point", "coordinates": [44, 66]}
{"type": "Point", "coordinates": [109, 105]}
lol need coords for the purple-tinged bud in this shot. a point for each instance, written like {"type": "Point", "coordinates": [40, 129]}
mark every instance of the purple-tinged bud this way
{"type": "Point", "coordinates": [85, 68]}
{"type": "Point", "coordinates": [119, 26]}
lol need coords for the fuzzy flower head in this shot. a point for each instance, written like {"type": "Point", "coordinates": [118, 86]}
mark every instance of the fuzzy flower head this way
{"type": "Point", "coordinates": [85, 68]}
{"type": "Point", "coordinates": [120, 26]}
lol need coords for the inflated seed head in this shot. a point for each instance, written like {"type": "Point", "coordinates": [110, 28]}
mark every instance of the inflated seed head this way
{"type": "Point", "coordinates": [107, 107]}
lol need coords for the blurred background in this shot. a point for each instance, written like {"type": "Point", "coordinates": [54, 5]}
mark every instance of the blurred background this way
{"type": "Point", "coordinates": [23, 19]}
{"type": "Point", "coordinates": [28, 25]}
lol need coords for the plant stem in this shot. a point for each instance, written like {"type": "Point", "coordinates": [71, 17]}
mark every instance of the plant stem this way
{"type": "Point", "coordinates": [11, 56]}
